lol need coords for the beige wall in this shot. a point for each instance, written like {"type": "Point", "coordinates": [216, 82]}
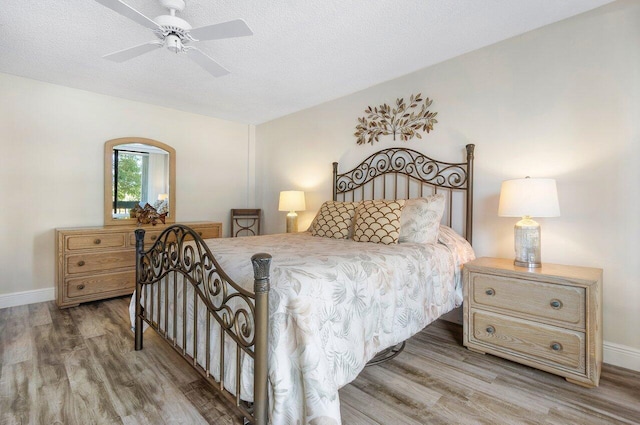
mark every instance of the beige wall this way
{"type": "Point", "coordinates": [562, 102]}
{"type": "Point", "coordinates": [51, 159]}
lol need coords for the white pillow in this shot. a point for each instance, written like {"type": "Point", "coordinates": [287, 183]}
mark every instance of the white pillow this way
{"type": "Point", "coordinates": [420, 220]}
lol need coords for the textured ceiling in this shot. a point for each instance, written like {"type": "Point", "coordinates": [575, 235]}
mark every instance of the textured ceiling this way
{"type": "Point", "coordinates": [302, 53]}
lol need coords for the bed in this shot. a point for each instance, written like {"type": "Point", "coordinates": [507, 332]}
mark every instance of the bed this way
{"type": "Point", "coordinates": [280, 334]}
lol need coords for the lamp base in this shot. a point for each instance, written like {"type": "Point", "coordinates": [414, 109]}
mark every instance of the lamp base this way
{"type": "Point", "coordinates": [526, 264]}
{"type": "Point", "coordinates": [292, 222]}
{"type": "Point", "coordinates": [527, 243]}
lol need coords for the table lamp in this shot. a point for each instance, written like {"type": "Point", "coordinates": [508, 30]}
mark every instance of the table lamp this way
{"type": "Point", "coordinates": [292, 201]}
{"type": "Point", "coordinates": [528, 198]}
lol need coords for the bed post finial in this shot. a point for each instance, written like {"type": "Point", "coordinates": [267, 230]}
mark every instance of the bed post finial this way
{"type": "Point", "coordinates": [139, 251]}
{"type": "Point", "coordinates": [470, 148]}
{"type": "Point", "coordinates": [261, 263]}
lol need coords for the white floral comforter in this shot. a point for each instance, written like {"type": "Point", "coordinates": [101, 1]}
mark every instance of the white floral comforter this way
{"type": "Point", "coordinates": [333, 305]}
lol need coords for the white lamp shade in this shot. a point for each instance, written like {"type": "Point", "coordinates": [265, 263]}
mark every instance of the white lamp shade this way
{"type": "Point", "coordinates": [291, 200]}
{"type": "Point", "coordinates": [529, 197]}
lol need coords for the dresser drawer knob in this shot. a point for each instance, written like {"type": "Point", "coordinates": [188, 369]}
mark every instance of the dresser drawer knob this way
{"type": "Point", "coordinates": [556, 346]}
{"type": "Point", "coordinates": [80, 287]}
{"type": "Point", "coordinates": [81, 263]}
{"type": "Point", "coordinates": [490, 329]}
{"type": "Point", "coordinates": [154, 237]}
{"type": "Point", "coordinates": [491, 292]}
{"type": "Point", "coordinates": [557, 304]}
{"type": "Point", "coordinates": [97, 241]}
{"type": "Point", "coordinates": [199, 233]}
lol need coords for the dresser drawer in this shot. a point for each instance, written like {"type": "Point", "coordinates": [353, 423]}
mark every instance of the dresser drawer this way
{"type": "Point", "coordinates": [102, 261]}
{"type": "Point", "coordinates": [150, 236]}
{"type": "Point", "coordinates": [96, 241]}
{"type": "Point", "coordinates": [209, 232]}
{"type": "Point", "coordinates": [552, 303]}
{"type": "Point", "coordinates": [108, 285]}
{"type": "Point", "coordinates": [539, 343]}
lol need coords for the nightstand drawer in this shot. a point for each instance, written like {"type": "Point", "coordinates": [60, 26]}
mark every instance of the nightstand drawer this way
{"type": "Point", "coordinates": [519, 338]}
{"type": "Point", "coordinates": [100, 261]}
{"type": "Point", "coordinates": [551, 303]}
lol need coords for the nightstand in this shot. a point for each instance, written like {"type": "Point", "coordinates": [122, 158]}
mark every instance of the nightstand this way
{"type": "Point", "coordinates": [549, 318]}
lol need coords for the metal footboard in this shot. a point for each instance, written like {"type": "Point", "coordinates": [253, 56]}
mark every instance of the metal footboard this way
{"type": "Point", "coordinates": [211, 321]}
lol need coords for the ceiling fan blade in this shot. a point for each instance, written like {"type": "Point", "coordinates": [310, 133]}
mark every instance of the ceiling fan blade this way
{"type": "Point", "coordinates": [235, 28]}
{"type": "Point", "coordinates": [208, 64]}
{"type": "Point", "coordinates": [128, 11]}
{"type": "Point", "coordinates": [132, 52]}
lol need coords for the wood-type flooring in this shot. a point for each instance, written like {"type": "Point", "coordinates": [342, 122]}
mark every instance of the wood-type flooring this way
{"type": "Point", "coordinates": [78, 366]}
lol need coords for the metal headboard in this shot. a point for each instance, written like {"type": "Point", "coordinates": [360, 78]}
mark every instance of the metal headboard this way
{"type": "Point", "coordinates": [399, 173]}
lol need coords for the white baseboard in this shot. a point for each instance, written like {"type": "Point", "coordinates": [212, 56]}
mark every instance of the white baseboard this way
{"type": "Point", "coordinates": [27, 297]}
{"type": "Point", "coordinates": [621, 355]}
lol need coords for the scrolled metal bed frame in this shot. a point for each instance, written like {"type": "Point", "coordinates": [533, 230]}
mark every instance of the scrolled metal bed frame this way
{"type": "Point", "coordinates": [369, 180]}
{"type": "Point", "coordinates": [179, 259]}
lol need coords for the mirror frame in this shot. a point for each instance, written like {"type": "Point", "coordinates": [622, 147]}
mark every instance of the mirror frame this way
{"type": "Point", "coordinates": [108, 179]}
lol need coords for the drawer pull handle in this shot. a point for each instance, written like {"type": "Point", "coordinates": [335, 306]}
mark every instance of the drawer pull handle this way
{"type": "Point", "coordinates": [97, 241]}
{"type": "Point", "coordinates": [490, 330]}
{"type": "Point", "coordinates": [556, 346]}
{"type": "Point", "coordinates": [154, 237]}
{"type": "Point", "coordinates": [491, 292]}
{"type": "Point", "coordinates": [557, 304]}
{"type": "Point", "coordinates": [80, 287]}
{"type": "Point", "coordinates": [80, 263]}
{"type": "Point", "coordinates": [200, 233]}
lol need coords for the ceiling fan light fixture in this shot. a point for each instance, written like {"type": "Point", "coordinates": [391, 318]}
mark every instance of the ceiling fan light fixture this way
{"type": "Point", "coordinates": [173, 43]}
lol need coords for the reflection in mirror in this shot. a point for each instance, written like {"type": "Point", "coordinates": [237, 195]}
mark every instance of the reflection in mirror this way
{"type": "Point", "coordinates": [140, 176]}
{"type": "Point", "coordinates": [138, 172]}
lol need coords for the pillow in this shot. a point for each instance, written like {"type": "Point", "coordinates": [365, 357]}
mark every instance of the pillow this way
{"type": "Point", "coordinates": [420, 220]}
{"type": "Point", "coordinates": [448, 236]}
{"type": "Point", "coordinates": [334, 220]}
{"type": "Point", "coordinates": [459, 246]}
{"type": "Point", "coordinates": [378, 222]}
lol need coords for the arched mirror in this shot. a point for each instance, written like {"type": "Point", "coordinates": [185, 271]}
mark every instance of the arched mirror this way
{"type": "Point", "coordinates": [138, 171]}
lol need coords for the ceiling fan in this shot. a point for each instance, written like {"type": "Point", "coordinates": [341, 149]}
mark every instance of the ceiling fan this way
{"type": "Point", "coordinates": [176, 34]}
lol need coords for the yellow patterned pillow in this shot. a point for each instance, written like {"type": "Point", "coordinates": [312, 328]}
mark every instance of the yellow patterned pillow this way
{"type": "Point", "coordinates": [334, 220]}
{"type": "Point", "coordinates": [378, 222]}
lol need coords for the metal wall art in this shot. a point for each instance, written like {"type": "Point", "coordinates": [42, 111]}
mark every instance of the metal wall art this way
{"type": "Point", "coordinates": [406, 120]}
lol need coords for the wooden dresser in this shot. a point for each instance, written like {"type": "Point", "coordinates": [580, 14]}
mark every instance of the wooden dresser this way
{"type": "Point", "coordinates": [549, 318]}
{"type": "Point", "coordinates": [94, 263]}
